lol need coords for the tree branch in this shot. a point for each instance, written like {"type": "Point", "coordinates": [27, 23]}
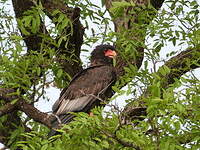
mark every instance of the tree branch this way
{"type": "Point", "coordinates": [34, 113]}
{"type": "Point", "coordinates": [157, 3]}
{"type": "Point", "coordinates": [182, 63]}
{"type": "Point", "coordinates": [7, 108]}
{"type": "Point", "coordinates": [124, 143]}
{"type": "Point", "coordinates": [126, 24]}
{"type": "Point", "coordinates": [22, 105]}
{"type": "Point", "coordinates": [72, 63]}
{"type": "Point", "coordinates": [73, 49]}
{"type": "Point", "coordinates": [178, 65]}
{"type": "Point", "coordinates": [33, 40]}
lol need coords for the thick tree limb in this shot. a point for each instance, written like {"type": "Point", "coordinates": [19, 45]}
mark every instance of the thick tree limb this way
{"type": "Point", "coordinates": [34, 113]}
{"type": "Point", "coordinates": [28, 109]}
{"type": "Point", "coordinates": [33, 41]}
{"type": "Point", "coordinates": [72, 64]}
{"type": "Point", "coordinates": [182, 63]}
{"type": "Point", "coordinates": [131, 113]}
{"type": "Point", "coordinates": [178, 65]}
{"type": "Point", "coordinates": [127, 23]}
{"type": "Point", "coordinates": [73, 48]}
{"type": "Point", "coordinates": [20, 104]}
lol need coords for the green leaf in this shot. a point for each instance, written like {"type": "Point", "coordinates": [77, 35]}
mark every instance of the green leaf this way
{"type": "Point", "coordinates": [61, 17]}
{"type": "Point", "coordinates": [174, 41]}
{"type": "Point", "coordinates": [105, 144]}
{"type": "Point", "coordinates": [59, 73]}
{"type": "Point", "coordinates": [193, 3]}
{"type": "Point", "coordinates": [44, 147]}
{"type": "Point", "coordinates": [27, 20]}
{"type": "Point", "coordinates": [180, 108]}
{"type": "Point", "coordinates": [164, 70]}
{"type": "Point", "coordinates": [38, 71]}
{"type": "Point", "coordinates": [14, 101]}
{"type": "Point", "coordinates": [118, 7]}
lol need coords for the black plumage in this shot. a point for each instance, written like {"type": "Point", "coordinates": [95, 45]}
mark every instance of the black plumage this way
{"type": "Point", "coordinates": [82, 92]}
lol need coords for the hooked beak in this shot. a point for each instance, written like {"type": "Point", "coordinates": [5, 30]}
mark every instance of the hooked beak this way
{"type": "Point", "coordinates": [110, 53]}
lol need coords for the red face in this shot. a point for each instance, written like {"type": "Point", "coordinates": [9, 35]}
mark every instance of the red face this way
{"type": "Point", "coordinates": [110, 53]}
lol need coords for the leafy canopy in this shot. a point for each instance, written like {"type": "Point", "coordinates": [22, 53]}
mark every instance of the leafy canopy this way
{"type": "Point", "coordinates": [172, 120]}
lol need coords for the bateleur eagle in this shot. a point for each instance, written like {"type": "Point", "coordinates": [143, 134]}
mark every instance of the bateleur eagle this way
{"type": "Point", "coordinates": [83, 90]}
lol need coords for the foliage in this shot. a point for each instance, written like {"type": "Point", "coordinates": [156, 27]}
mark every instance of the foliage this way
{"type": "Point", "coordinates": [173, 115]}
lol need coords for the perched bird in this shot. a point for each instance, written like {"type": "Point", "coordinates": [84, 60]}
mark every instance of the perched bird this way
{"type": "Point", "coordinates": [88, 88]}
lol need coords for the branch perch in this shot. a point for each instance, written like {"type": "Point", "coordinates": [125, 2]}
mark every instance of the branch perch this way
{"type": "Point", "coordinates": [34, 113]}
{"type": "Point", "coordinates": [124, 143]}
{"type": "Point", "coordinates": [178, 65]}
{"type": "Point", "coordinates": [22, 105]}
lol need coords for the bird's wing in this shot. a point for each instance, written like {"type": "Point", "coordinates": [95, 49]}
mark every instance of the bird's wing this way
{"type": "Point", "coordinates": [78, 75]}
{"type": "Point", "coordinates": [63, 92]}
{"type": "Point", "coordinates": [74, 105]}
{"type": "Point", "coordinates": [83, 88]}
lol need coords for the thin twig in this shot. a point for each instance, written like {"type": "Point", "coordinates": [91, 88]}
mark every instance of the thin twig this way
{"type": "Point", "coordinates": [42, 93]}
{"type": "Point", "coordinates": [124, 143]}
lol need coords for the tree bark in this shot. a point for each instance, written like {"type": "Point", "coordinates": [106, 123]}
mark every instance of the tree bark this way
{"type": "Point", "coordinates": [36, 42]}
{"type": "Point", "coordinates": [178, 66]}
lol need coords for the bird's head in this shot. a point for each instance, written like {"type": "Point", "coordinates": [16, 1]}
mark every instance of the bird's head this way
{"type": "Point", "coordinates": [103, 54]}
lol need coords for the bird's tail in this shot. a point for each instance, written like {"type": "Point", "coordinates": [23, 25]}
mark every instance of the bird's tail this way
{"type": "Point", "coordinates": [56, 121]}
